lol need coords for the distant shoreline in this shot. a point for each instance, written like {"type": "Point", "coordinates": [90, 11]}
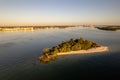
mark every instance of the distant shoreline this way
{"type": "Point", "coordinates": [92, 50]}
{"type": "Point", "coordinates": [29, 28]}
{"type": "Point", "coordinates": [109, 28]}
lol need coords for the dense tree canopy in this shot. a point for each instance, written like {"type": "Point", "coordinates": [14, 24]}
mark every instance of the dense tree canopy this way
{"type": "Point", "coordinates": [67, 46]}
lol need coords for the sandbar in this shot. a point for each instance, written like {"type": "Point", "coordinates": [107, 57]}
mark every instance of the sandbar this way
{"type": "Point", "coordinates": [92, 50]}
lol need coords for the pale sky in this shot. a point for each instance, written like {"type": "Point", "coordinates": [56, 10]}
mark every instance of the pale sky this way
{"type": "Point", "coordinates": [59, 12]}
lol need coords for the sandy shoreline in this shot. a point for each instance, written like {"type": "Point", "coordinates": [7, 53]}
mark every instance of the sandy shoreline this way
{"type": "Point", "coordinates": [93, 50]}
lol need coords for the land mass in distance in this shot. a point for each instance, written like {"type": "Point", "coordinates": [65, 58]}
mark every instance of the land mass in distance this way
{"type": "Point", "coordinates": [109, 28]}
{"type": "Point", "coordinates": [31, 28]}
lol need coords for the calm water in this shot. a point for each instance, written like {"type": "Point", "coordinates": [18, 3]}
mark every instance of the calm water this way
{"type": "Point", "coordinates": [19, 52]}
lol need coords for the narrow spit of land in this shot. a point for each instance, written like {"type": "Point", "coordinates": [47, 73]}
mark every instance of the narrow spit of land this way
{"type": "Point", "coordinates": [109, 28]}
{"type": "Point", "coordinates": [72, 46]}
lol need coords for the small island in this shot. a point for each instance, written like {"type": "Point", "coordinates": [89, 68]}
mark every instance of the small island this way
{"type": "Point", "coordinates": [109, 28]}
{"type": "Point", "coordinates": [72, 46]}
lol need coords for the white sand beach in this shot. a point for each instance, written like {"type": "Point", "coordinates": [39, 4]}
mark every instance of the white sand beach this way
{"type": "Point", "coordinates": [92, 50]}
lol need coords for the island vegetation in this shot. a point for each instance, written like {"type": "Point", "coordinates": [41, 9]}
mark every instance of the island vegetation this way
{"type": "Point", "coordinates": [109, 28]}
{"type": "Point", "coordinates": [67, 46]}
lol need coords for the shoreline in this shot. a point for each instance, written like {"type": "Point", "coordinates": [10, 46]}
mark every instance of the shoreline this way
{"type": "Point", "coordinates": [30, 28]}
{"type": "Point", "coordinates": [92, 50]}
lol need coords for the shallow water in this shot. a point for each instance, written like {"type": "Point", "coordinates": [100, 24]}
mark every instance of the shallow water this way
{"type": "Point", "coordinates": [19, 52]}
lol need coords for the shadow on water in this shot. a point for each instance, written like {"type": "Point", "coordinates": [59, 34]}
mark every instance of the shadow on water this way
{"type": "Point", "coordinates": [92, 67]}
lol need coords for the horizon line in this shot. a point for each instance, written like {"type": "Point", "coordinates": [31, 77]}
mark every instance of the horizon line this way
{"type": "Point", "coordinates": [61, 25]}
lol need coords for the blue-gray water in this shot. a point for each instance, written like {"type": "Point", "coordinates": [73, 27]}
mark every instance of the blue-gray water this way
{"type": "Point", "coordinates": [19, 52]}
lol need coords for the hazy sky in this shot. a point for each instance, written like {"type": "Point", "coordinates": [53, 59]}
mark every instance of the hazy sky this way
{"type": "Point", "coordinates": [56, 12]}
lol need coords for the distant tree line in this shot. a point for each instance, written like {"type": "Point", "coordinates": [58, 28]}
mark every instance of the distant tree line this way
{"type": "Point", "coordinates": [109, 28]}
